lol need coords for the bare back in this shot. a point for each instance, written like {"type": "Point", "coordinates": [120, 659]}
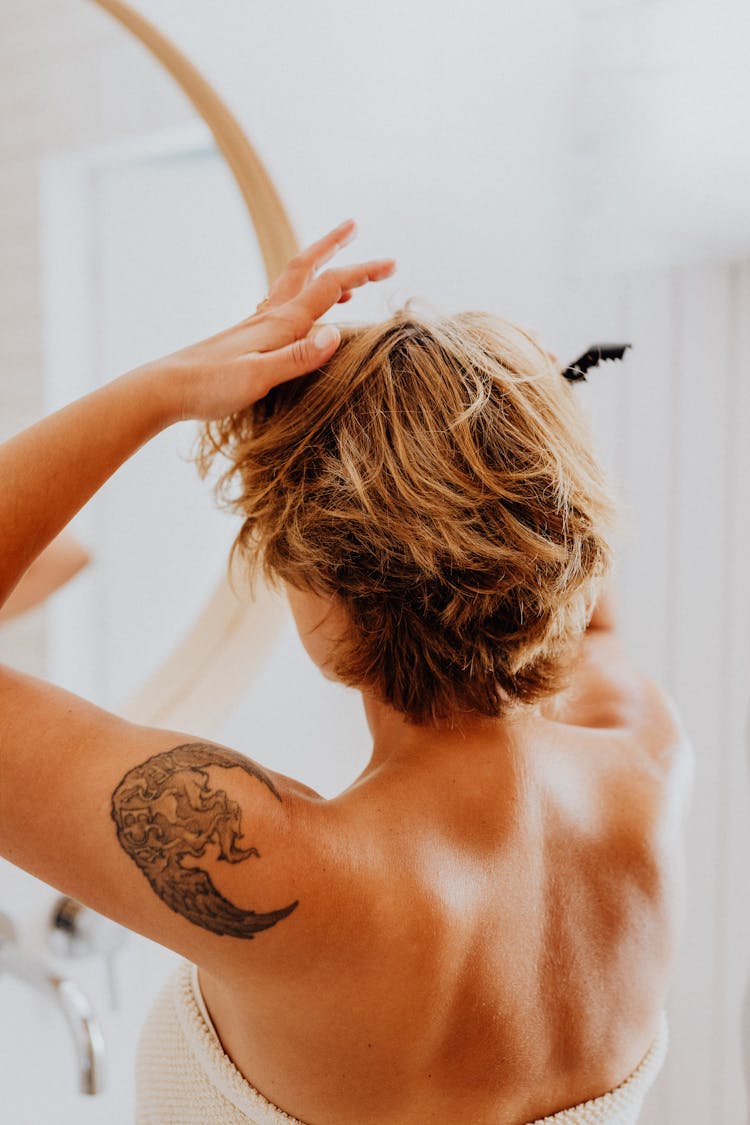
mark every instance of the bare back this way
{"type": "Point", "coordinates": [491, 937]}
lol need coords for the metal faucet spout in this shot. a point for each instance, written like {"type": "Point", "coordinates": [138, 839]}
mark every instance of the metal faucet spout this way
{"type": "Point", "coordinates": [86, 1031]}
{"type": "Point", "coordinates": [74, 1004]}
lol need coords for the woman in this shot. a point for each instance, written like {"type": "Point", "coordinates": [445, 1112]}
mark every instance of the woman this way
{"type": "Point", "coordinates": [482, 928]}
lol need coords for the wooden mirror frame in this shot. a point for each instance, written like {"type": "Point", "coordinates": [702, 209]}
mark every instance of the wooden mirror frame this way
{"type": "Point", "coordinates": [213, 663]}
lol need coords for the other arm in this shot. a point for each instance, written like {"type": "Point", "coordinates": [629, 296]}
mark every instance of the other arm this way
{"type": "Point", "coordinates": [608, 691]}
{"type": "Point", "coordinates": [56, 565]}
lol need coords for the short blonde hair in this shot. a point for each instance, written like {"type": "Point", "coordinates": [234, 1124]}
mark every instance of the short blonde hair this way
{"type": "Point", "coordinates": [437, 476]}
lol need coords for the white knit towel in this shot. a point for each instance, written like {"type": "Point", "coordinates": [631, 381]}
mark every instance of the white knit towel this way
{"type": "Point", "coordinates": [183, 1076]}
{"type": "Point", "coordinates": [622, 1106]}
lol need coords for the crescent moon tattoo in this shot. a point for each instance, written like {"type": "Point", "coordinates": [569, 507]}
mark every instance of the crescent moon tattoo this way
{"type": "Point", "coordinates": [165, 810]}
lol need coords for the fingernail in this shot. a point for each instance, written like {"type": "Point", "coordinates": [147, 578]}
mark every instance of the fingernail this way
{"type": "Point", "coordinates": [326, 337]}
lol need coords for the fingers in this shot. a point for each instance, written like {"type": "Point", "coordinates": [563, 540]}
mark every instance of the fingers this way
{"type": "Point", "coordinates": [324, 249]}
{"type": "Point", "coordinates": [299, 299]}
{"type": "Point", "coordinates": [302, 266]}
{"type": "Point", "coordinates": [334, 284]}
{"type": "Point", "coordinates": [298, 358]}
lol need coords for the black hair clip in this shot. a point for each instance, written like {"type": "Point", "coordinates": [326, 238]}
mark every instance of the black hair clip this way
{"type": "Point", "coordinates": [597, 353]}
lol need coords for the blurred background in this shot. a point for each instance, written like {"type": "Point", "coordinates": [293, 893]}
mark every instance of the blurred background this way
{"type": "Point", "coordinates": [581, 167]}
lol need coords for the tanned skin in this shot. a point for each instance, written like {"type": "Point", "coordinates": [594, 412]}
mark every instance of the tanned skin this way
{"type": "Point", "coordinates": [165, 810]}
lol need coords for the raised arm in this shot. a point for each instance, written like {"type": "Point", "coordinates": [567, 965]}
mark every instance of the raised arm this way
{"type": "Point", "coordinates": [604, 618]}
{"type": "Point", "coordinates": [190, 843]}
{"type": "Point", "coordinates": [52, 469]}
{"type": "Point", "coordinates": [607, 689]}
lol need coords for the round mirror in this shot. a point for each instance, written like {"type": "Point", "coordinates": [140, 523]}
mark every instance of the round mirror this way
{"type": "Point", "coordinates": [147, 245]}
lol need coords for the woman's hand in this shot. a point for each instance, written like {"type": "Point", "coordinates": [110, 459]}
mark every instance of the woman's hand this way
{"type": "Point", "coordinates": [235, 368]}
{"type": "Point", "coordinates": [50, 470]}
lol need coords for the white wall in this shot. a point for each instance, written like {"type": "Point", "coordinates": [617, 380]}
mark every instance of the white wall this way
{"type": "Point", "coordinates": [674, 423]}
{"type": "Point", "coordinates": [660, 130]}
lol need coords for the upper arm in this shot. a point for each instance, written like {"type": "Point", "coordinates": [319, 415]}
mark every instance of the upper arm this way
{"type": "Point", "coordinates": [605, 690]}
{"type": "Point", "coordinates": [608, 691]}
{"type": "Point", "coordinates": [185, 841]}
